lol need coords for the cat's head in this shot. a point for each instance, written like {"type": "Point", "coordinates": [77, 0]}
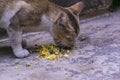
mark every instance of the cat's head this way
{"type": "Point", "coordinates": [66, 26]}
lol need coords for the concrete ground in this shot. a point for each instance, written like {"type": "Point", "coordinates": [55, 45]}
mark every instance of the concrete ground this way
{"type": "Point", "coordinates": [97, 58]}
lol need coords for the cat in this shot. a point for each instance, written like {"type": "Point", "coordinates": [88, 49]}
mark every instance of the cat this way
{"type": "Point", "coordinates": [61, 23]}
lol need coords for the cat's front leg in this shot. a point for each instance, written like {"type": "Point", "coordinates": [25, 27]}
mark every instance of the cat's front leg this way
{"type": "Point", "coordinates": [16, 40]}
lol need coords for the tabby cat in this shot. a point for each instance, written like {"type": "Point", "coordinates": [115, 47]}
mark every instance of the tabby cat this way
{"type": "Point", "coordinates": [62, 23]}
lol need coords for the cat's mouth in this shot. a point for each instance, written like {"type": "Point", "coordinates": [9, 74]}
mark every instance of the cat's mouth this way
{"type": "Point", "coordinates": [64, 47]}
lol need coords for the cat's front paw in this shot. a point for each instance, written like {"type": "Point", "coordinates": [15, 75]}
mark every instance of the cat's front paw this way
{"type": "Point", "coordinates": [22, 53]}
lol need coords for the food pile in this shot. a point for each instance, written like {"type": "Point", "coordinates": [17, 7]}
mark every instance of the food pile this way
{"type": "Point", "coordinates": [52, 52]}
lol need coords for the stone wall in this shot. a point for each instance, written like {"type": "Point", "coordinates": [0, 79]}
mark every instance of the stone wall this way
{"type": "Point", "coordinates": [90, 5]}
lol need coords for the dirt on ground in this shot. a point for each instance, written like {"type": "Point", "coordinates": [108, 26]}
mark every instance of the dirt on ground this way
{"type": "Point", "coordinates": [95, 58]}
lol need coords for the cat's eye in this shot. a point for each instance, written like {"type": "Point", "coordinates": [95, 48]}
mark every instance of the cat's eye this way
{"type": "Point", "coordinates": [62, 25]}
{"type": "Point", "coordinates": [69, 38]}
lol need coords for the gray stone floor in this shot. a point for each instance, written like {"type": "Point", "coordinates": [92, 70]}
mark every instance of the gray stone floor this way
{"type": "Point", "coordinates": [97, 58]}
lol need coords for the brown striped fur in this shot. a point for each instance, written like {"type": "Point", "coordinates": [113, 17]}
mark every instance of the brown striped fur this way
{"type": "Point", "coordinates": [62, 23]}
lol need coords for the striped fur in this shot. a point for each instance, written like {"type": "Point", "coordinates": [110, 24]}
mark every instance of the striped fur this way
{"type": "Point", "coordinates": [62, 23]}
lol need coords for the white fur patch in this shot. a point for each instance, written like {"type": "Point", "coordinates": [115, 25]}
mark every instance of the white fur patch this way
{"type": "Point", "coordinates": [46, 23]}
{"type": "Point", "coordinates": [10, 13]}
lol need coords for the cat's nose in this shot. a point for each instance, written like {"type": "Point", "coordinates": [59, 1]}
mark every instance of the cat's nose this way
{"type": "Point", "coordinates": [62, 46]}
{"type": "Point", "coordinates": [65, 47]}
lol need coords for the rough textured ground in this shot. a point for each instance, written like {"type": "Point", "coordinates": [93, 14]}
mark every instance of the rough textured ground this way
{"type": "Point", "coordinates": [97, 58]}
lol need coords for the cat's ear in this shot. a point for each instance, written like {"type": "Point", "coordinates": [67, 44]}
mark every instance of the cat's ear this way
{"type": "Point", "coordinates": [77, 8]}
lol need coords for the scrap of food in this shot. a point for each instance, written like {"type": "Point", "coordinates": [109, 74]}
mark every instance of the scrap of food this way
{"type": "Point", "coordinates": [51, 52]}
